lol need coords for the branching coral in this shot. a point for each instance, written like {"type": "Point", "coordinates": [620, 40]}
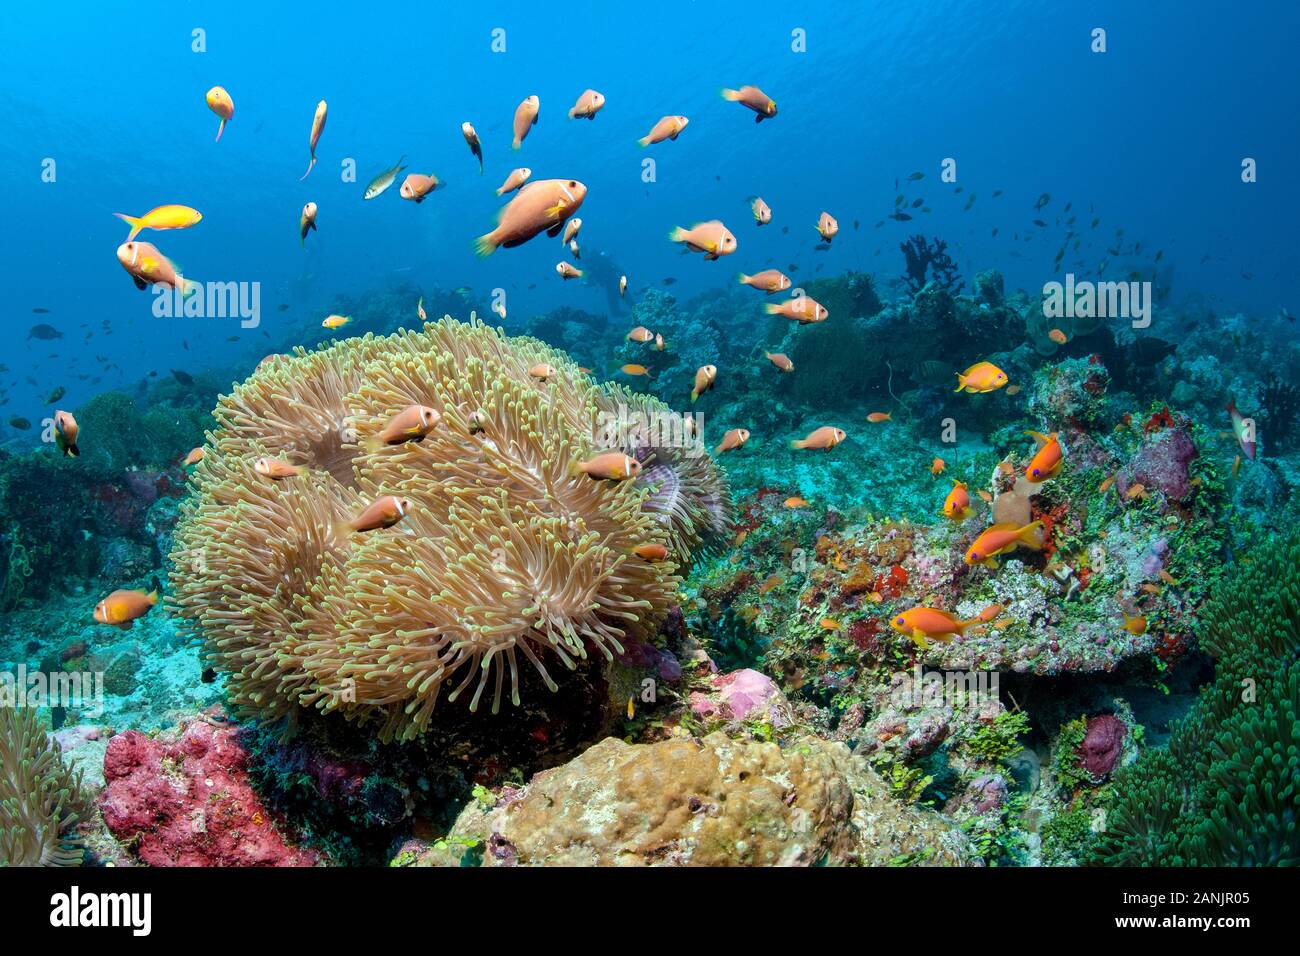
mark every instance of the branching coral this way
{"type": "Point", "coordinates": [40, 798]}
{"type": "Point", "coordinates": [929, 262]}
{"type": "Point", "coordinates": [507, 552]}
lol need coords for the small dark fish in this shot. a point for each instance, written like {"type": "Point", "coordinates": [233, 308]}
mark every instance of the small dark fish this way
{"type": "Point", "coordinates": [183, 377]}
{"type": "Point", "coordinates": [1040, 224]}
{"type": "Point", "coordinates": [997, 193]}
{"type": "Point", "coordinates": [969, 202]}
{"type": "Point", "coordinates": [899, 200]}
{"type": "Point", "coordinates": [21, 424]}
{"type": "Point", "coordinates": [855, 225]}
{"type": "Point", "coordinates": [915, 176]}
{"type": "Point", "coordinates": [784, 230]}
{"type": "Point", "coordinates": [44, 331]}
{"type": "Point", "coordinates": [1149, 350]}
{"type": "Point", "coordinates": [55, 395]}
{"type": "Point", "coordinates": [901, 217]}
{"type": "Point", "coordinates": [918, 203]}
{"type": "Point", "coordinates": [670, 280]}
{"type": "Point", "coordinates": [41, 311]}
{"type": "Point", "coordinates": [1043, 200]}
{"type": "Point", "coordinates": [958, 189]}
{"type": "Point", "coordinates": [208, 676]}
{"type": "Point", "coordinates": [995, 230]}
{"type": "Point", "coordinates": [283, 307]}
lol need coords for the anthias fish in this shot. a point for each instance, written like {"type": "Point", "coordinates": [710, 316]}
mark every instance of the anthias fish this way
{"type": "Point", "coordinates": [219, 102]}
{"type": "Point", "coordinates": [380, 183]}
{"type": "Point", "coordinates": [317, 127]}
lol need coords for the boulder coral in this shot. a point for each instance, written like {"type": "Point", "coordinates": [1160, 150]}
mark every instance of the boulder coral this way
{"type": "Point", "coordinates": [507, 555]}
{"type": "Point", "coordinates": [706, 802]}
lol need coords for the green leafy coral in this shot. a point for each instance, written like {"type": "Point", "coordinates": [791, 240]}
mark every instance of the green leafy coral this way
{"type": "Point", "coordinates": [1226, 791]}
{"type": "Point", "coordinates": [40, 798]}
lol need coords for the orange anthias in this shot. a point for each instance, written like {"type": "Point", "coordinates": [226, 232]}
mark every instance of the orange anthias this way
{"type": "Point", "coordinates": [956, 507]}
{"type": "Point", "coordinates": [1002, 539]}
{"type": "Point", "coordinates": [922, 623]}
{"type": "Point", "coordinates": [1046, 462]}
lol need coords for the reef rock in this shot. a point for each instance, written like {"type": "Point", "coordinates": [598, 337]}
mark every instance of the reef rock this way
{"type": "Point", "coordinates": [184, 799]}
{"type": "Point", "coordinates": [705, 802]}
{"type": "Point", "coordinates": [1161, 464]}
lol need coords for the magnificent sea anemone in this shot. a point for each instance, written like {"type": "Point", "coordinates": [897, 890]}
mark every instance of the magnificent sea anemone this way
{"type": "Point", "coordinates": [507, 551]}
{"type": "Point", "coordinates": [40, 798]}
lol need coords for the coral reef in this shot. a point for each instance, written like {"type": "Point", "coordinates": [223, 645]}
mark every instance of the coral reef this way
{"type": "Point", "coordinates": [1281, 401]}
{"type": "Point", "coordinates": [929, 262]}
{"type": "Point", "coordinates": [506, 551]}
{"type": "Point", "coordinates": [41, 800]}
{"type": "Point", "coordinates": [1226, 790]}
{"type": "Point", "coordinates": [184, 799]}
{"type": "Point", "coordinates": [709, 802]}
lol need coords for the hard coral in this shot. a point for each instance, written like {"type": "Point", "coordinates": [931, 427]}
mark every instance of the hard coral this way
{"type": "Point", "coordinates": [506, 551]}
{"type": "Point", "coordinates": [186, 801]}
{"type": "Point", "coordinates": [929, 261]}
{"type": "Point", "coordinates": [707, 802]}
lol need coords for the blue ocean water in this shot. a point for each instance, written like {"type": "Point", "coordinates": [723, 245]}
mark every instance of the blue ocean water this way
{"type": "Point", "coordinates": [1148, 137]}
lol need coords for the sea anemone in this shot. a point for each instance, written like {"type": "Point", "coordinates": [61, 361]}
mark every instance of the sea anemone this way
{"type": "Point", "coordinates": [40, 798]}
{"type": "Point", "coordinates": [688, 495]}
{"type": "Point", "coordinates": [508, 552]}
{"type": "Point", "coordinates": [1226, 791]}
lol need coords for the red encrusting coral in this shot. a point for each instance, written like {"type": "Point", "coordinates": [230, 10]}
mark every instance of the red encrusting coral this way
{"type": "Point", "coordinates": [185, 800]}
{"type": "Point", "coordinates": [1160, 420]}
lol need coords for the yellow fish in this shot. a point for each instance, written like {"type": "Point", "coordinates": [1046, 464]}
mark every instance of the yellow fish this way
{"type": "Point", "coordinates": [981, 377]}
{"type": "Point", "coordinates": [171, 216]}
